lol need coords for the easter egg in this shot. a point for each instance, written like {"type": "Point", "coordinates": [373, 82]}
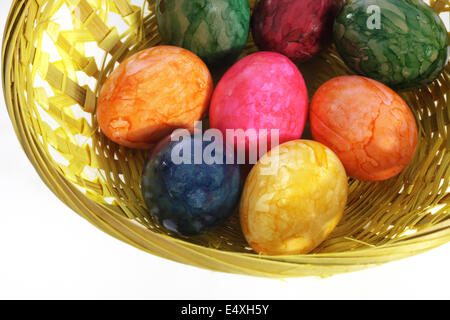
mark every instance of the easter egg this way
{"type": "Point", "coordinates": [152, 93]}
{"type": "Point", "coordinates": [293, 198]}
{"type": "Point", "coordinates": [297, 29]}
{"type": "Point", "coordinates": [186, 193]}
{"type": "Point", "coordinates": [369, 126]}
{"type": "Point", "coordinates": [402, 44]}
{"type": "Point", "coordinates": [215, 30]}
{"type": "Point", "coordinates": [263, 93]}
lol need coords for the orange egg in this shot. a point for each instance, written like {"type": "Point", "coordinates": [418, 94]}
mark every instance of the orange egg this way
{"type": "Point", "coordinates": [369, 127]}
{"type": "Point", "coordinates": [152, 93]}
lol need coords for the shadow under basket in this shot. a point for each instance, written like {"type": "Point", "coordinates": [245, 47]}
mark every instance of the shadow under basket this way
{"type": "Point", "coordinates": [56, 55]}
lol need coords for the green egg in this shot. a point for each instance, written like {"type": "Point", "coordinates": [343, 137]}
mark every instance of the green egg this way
{"type": "Point", "coordinates": [403, 44]}
{"type": "Point", "coordinates": [215, 30]}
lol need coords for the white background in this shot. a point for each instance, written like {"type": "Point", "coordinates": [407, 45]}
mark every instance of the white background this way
{"type": "Point", "coordinates": [49, 252]}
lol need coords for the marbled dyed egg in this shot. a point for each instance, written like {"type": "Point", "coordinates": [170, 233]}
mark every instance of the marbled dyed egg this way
{"type": "Point", "coordinates": [186, 193]}
{"type": "Point", "coordinates": [215, 30]}
{"type": "Point", "coordinates": [264, 93]}
{"type": "Point", "coordinates": [293, 198]}
{"type": "Point", "coordinates": [400, 43]}
{"type": "Point", "coordinates": [297, 29]}
{"type": "Point", "coordinates": [369, 126]}
{"type": "Point", "coordinates": [152, 93]}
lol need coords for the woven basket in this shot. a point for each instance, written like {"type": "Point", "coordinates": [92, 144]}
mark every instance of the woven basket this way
{"type": "Point", "coordinates": [56, 55]}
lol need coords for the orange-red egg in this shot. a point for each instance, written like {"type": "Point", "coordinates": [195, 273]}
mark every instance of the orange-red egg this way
{"type": "Point", "coordinates": [368, 125]}
{"type": "Point", "coordinates": [152, 93]}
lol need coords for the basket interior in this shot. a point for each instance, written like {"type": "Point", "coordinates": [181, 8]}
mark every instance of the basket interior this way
{"type": "Point", "coordinates": [75, 44]}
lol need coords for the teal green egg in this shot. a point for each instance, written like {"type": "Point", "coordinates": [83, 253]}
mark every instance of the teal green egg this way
{"type": "Point", "coordinates": [215, 30]}
{"type": "Point", "coordinates": [403, 44]}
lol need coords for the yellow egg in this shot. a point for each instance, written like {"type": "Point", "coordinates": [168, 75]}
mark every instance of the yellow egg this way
{"type": "Point", "coordinates": [293, 198]}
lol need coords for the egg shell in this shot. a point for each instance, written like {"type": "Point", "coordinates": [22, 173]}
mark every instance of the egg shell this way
{"type": "Point", "coordinates": [215, 30]}
{"type": "Point", "coordinates": [293, 198]}
{"type": "Point", "coordinates": [297, 29]}
{"type": "Point", "coordinates": [403, 44]}
{"type": "Point", "coordinates": [369, 126]}
{"type": "Point", "coordinates": [152, 93]}
{"type": "Point", "coordinates": [263, 91]}
{"type": "Point", "coordinates": [189, 198]}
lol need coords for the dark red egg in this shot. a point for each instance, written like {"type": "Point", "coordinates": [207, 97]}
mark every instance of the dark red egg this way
{"type": "Point", "coordinates": [297, 29]}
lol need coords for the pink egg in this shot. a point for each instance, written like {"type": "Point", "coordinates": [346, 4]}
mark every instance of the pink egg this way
{"type": "Point", "coordinates": [264, 91]}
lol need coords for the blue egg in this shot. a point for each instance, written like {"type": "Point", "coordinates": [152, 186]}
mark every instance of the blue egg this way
{"type": "Point", "coordinates": [189, 193]}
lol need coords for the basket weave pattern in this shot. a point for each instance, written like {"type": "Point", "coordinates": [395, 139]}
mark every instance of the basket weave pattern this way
{"type": "Point", "coordinates": [56, 55]}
